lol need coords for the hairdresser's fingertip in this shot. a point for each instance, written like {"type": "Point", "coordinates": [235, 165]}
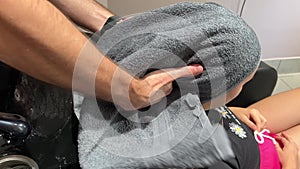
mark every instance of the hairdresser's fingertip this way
{"type": "Point", "coordinates": [196, 69]}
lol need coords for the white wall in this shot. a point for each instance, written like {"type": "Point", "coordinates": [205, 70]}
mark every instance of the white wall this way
{"type": "Point", "coordinates": [103, 2]}
{"type": "Point", "coordinates": [126, 7]}
{"type": "Point", "coordinates": [277, 24]}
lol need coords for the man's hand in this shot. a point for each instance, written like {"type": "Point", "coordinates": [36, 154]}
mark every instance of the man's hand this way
{"type": "Point", "coordinates": [251, 117]}
{"type": "Point", "coordinates": [54, 46]}
{"type": "Point", "coordinates": [156, 85]}
{"type": "Point", "coordinates": [288, 152]}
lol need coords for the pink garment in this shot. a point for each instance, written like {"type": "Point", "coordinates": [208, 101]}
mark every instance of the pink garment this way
{"type": "Point", "coordinates": [269, 158]}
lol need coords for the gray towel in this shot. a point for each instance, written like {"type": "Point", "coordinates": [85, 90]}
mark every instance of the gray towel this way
{"type": "Point", "coordinates": [175, 132]}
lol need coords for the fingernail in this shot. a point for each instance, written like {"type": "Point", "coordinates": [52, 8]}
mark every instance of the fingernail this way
{"type": "Point", "coordinates": [197, 68]}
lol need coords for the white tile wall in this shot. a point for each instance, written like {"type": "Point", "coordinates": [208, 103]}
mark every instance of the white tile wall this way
{"type": "Point", "coordinates": [293, 80]}
{"type": "Point", "coordinates": [285, 66]}
{"type": "Point", "coordinates": [288, 73]}
{"type": "Point", "coordinates": [281, 86]}
{"type": "Point", "coordinates": [289, 66]}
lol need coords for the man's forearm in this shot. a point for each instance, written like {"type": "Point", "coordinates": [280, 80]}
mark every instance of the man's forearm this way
{"type": "Point", "coordinates": [87, 13]}
{"type": "Point", "coordinates": [38, 39]}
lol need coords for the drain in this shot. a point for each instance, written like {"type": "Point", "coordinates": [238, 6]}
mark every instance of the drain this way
{"type": "Point", "coordinates": [17, 162]}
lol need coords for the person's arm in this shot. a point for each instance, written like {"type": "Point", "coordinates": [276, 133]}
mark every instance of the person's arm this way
{"type": "Point", "coordinates": [87, 13]}
{"type": "Point", "coordinates": [38, 39]}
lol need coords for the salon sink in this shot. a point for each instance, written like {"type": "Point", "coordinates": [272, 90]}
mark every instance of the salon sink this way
{"type": "Point", "coordinates": [14, 130]}
{"type": "Point", "coordinates": [30, 138]}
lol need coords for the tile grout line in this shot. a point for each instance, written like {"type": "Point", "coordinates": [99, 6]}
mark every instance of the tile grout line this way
{"type": "Point", "coordinates": [280, 64]}
{"type": "Point", "coordinates": [287, 84]}
{"type": "Point", "coordinates": [277, 68]}
{"type": "Point", "coordinates": [289, 74]}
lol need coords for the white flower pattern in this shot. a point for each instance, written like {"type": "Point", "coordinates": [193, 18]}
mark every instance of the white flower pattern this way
{"type": "Point", "coordinates": [237, 130]}
{"type": "Point", "coordinates": [224, 113]}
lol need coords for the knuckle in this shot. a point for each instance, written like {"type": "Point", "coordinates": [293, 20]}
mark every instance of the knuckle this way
{"type": "Point", "coordinates": [253, 110]}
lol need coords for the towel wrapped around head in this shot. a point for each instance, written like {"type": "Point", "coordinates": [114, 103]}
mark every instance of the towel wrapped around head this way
{"type": "Point", "coordinates": [175, 132]}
